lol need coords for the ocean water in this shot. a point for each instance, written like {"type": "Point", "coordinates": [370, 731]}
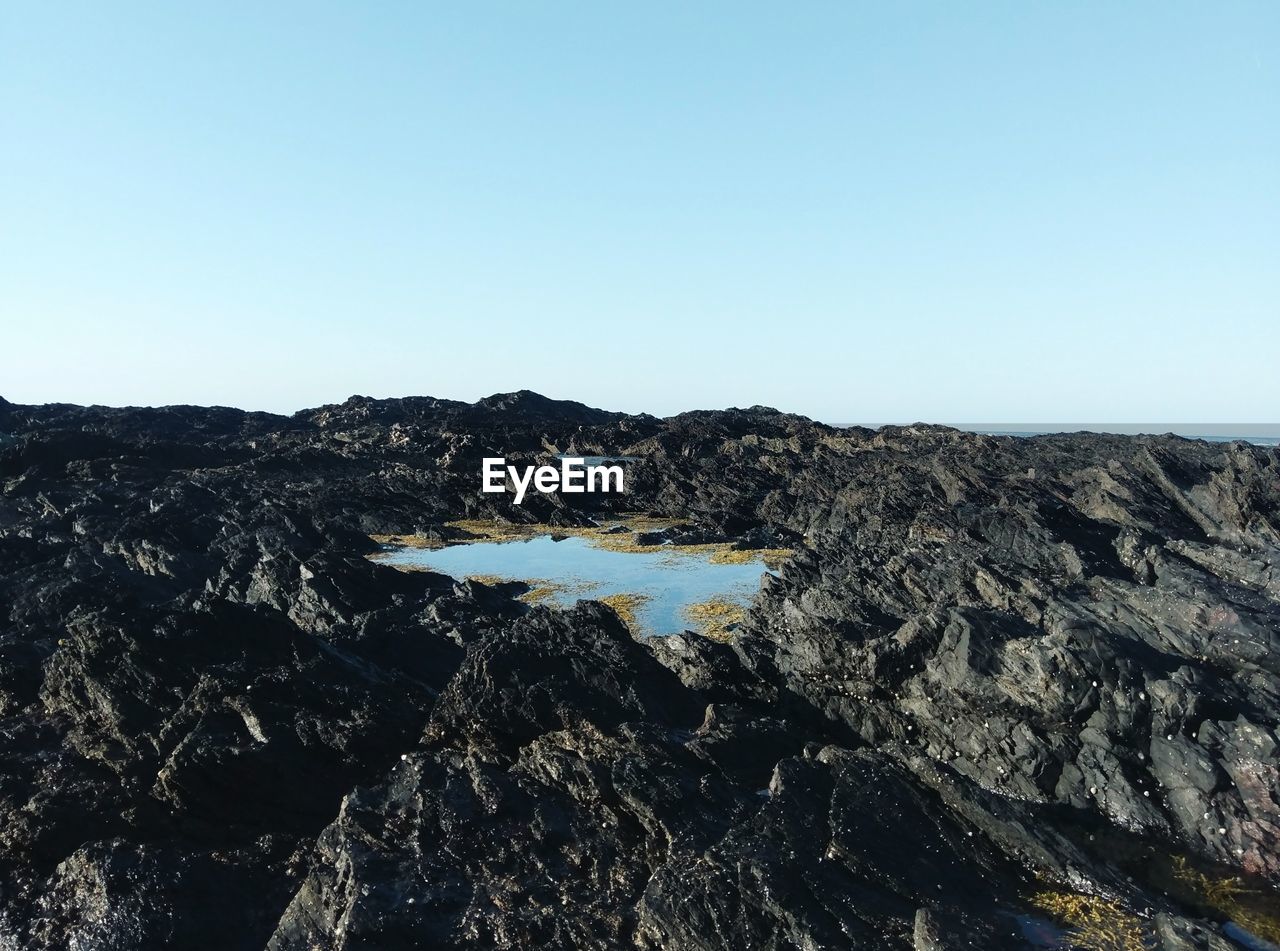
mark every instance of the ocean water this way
{"type": "Point", "coordinates": [1207, 437]}
{"type": "Point", "coordinates": [1260, 434]}
{"type": "Point", "coordinates": [669, 581]}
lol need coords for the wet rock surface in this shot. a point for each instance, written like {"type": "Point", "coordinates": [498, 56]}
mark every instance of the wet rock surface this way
{"type": "Point", "coordinates": [1007, 692]}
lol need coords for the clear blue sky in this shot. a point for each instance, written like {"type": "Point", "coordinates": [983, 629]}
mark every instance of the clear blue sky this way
{"type": "Point", "coordinates": [859, 211]}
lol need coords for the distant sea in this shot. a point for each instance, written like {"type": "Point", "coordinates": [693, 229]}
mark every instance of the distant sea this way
{"type": "Point", "coordinates": [1260, 434]}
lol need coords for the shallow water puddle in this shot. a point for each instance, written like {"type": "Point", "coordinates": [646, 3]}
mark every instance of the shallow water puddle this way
{"type": "Point", "coordinates": [660, 590]}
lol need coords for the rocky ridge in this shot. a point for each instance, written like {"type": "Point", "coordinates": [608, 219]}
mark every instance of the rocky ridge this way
{"type": "Point", "coordinates": [1003, 685]}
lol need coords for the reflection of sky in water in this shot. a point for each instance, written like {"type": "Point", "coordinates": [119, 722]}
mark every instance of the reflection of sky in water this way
{"type": "Point", "coordinates": [671, 580]}
{"type": "Point", "coordinates": [1041, 933]}
{"type": "Point", "coordinates": [1245, 938]}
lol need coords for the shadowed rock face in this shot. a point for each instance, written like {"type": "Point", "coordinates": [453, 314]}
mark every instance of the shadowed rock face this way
{"type": "Point", "coordinates": [994, 667]}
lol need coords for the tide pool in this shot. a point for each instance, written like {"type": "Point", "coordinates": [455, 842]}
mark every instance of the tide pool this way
{"type": "Point", "coordinates": [668, 582]}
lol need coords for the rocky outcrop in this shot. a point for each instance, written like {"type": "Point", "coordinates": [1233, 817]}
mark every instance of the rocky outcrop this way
{"type": "Point", "coordinates": [1005, 691]}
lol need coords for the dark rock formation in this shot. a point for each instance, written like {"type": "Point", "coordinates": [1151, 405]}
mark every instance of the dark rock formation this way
{"type": "Point", "coordinates": [1006, 687]}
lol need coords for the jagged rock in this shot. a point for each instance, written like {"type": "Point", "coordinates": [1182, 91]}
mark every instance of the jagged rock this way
{"type": "Point", "coordinates": [993, 666]}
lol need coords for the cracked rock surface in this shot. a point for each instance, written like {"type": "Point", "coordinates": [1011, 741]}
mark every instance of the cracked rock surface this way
{"type": "Point", "coordinates": [1007, 693]}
